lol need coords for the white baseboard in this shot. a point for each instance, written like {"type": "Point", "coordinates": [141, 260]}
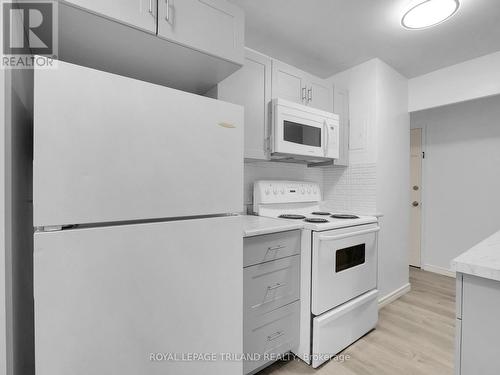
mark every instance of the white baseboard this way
{"type": "Point", "coordinates": [391, 297]}
{"type": "Point", "coordinates": [438, 270]}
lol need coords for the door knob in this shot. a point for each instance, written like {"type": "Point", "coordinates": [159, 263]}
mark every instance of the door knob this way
{"type": "Point", "coordinates": [415, 204]}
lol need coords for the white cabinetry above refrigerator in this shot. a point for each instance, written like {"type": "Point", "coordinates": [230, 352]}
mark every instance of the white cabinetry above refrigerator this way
{"type": "Point", "coordinates": [186, 44]}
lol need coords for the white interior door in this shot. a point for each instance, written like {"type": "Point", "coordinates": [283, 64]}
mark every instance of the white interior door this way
{"type": "Point", "coordinates": [416, 197]}
{"type": "Point", "coordinates": [108, 298]}
{"type": "Point", "coordinates": [110, 148]}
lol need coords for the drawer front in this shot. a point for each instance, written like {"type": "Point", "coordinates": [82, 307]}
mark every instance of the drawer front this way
{"type": "Point", "coordinates": [274, 333]}
{"type": "Point", "coordinates": [269, 247]}
{"type": "Point", "coordinates": [270, 285]}
{"type": "Point", "coordinates": [340, 327]}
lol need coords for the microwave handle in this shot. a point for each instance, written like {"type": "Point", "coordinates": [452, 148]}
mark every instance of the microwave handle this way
{"type": "Point", "coordinates": [352, 234]}
{"type": "Point", "coordinates": [327, 136]}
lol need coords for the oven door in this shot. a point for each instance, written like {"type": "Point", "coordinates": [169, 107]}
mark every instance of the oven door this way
{"type": "Point", "coordinates": [344, 265]}
{"type": "Point", "coordinates": [296, 132]}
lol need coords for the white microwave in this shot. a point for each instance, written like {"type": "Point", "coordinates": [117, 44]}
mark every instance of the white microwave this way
{"type": "Point", "coordinates": [303, 132]}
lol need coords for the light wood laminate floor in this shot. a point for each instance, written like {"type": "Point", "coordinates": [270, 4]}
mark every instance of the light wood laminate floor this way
{"type": "Point", "coordinates": [414, 336]}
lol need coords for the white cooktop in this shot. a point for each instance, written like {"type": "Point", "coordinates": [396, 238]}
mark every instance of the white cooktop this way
{"type": "Point", "coordinates": [276, 198]}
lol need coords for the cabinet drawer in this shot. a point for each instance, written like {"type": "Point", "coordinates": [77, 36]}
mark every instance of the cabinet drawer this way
{"type": "Point", "coordinates": [269, 247]}
{"type": "Point", "coordinates": [340, 327]}
{"type": "Point", "coordinates": [270, 285]}
{"type": "Point", "coordinates": [276, 332]}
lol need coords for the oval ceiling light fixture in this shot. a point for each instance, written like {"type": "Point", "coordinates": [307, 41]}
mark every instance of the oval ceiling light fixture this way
{"type": "Point", "coordinates": [429, 13]}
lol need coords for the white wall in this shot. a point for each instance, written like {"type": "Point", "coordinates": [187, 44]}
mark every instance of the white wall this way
{"type": "Point", "coordinates": [461, 186]}
{"type": "Point", "coordinates": [469, 80]}
{"type": "Point", "coordinates": [379, 148]}
{"type": "Point", "coordinates": [393, 178]}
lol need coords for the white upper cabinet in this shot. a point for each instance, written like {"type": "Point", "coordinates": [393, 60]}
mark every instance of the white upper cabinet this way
{"type": "Point", "coordinates": [136, 13]}
{"type": "Point", "coordinates": [289, 83]}
{"type": "Point", "coordinates": [212, 26]}
{"type": "Point", "coordinates": [320, 94]}
{"type": "Point", "coordinates": [190, 45]}
{"type": "Point", "coordinates": [300, 87]}
{"type": "Point", "coordinates": [251, 87]}
{"type": "Point", "coordinates": [262, 79]}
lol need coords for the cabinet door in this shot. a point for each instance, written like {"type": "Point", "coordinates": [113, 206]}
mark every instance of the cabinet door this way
{"type": "Point", "coordinates": [320, 94]}
{"type": "Point", "coordinates": [289, 83]}
{"type": "Point", "coordinates": [341, 107]}
{"type": "Point", "coordinates": [480, 326]}
{"type": "Point", "coordinates": [212, 26]}
{"type": "Point", "coordinates": [251, 87]}
{"type": "Point", "coordinates": [136, 13]}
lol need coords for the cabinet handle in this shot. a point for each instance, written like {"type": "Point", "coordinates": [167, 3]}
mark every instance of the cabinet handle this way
{"type": "Point", "coordinates": [310, 94]}
{"type": "Point", "coordinates": [167, 17]}
{"type": "Point", "coordinates": [274, 336]}
{"type": "Point", "coordinates": [275, 248]}
{"type": "Point", "coordinates": [276, 286]}
{"type": "Point", "coordinates": [304, 94]}
{"type": "Point", "coordinates": [151, 7]}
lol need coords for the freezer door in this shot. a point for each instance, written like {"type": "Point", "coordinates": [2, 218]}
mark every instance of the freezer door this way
{"type": "Point", "coordinates": [109, 148]}
{"type": "Point", "coordinates": [120, 300]}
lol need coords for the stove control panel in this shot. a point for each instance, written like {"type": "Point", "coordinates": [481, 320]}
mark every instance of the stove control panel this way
{"type": "Point", "coordinates": [266, 192]}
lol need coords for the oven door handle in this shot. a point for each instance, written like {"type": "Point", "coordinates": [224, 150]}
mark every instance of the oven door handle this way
{"type": "Point", "coordinates": [346, 235]}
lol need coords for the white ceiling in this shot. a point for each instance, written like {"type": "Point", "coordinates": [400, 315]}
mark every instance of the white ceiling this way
{"type": "Point", "coordinates": [327, 36]}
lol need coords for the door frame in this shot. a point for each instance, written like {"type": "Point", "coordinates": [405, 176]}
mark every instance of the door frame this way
{"type": "Point", "coordinates": [423, 198]}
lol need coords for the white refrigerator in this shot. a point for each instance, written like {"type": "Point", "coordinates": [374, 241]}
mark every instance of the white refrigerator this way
{"type": "Point", "coordinates": [137, 260]}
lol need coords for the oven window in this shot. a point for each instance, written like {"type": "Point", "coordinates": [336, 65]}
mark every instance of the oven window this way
{"type": "Point", "coordinates": [302, 134]}
{"type": "Point", "coordinates": [349, 257]}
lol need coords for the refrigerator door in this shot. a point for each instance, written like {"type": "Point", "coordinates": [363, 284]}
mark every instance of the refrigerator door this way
{"type": "Point", "coordinates": [109, 148]}
{"type": "Point", "coordinates": [126, 299]}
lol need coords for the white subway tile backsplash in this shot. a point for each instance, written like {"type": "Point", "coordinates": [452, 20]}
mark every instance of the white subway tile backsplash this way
{"type": "Point", "coordinates": [350, 188]}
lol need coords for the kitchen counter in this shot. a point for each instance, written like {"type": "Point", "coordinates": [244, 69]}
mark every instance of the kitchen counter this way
{"type": "Point", "coordinates": [482, 260]}
{"type": "Point", "coordinates": [257, 225]}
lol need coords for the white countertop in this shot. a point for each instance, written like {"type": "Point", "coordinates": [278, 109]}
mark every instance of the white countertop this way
{"type": "Point", "coordinates": [482, 260]}
{"type": "Point", "coordinates": [257, 225]}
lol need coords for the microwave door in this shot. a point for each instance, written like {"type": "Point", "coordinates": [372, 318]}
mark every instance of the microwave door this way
{"type": "Point", "coordinates": [331, 146]}
{"type": "Point", "coordinates": [299, 136]}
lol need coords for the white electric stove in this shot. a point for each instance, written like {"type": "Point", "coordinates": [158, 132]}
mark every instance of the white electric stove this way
{"type": "Point", "coordinates": [338, 267]}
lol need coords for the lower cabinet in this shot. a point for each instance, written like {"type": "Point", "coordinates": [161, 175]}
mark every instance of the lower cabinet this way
{"type": "Point", "coordinates": [271, 300]}
{"type": "Point", "coordinates": [478, 331]}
